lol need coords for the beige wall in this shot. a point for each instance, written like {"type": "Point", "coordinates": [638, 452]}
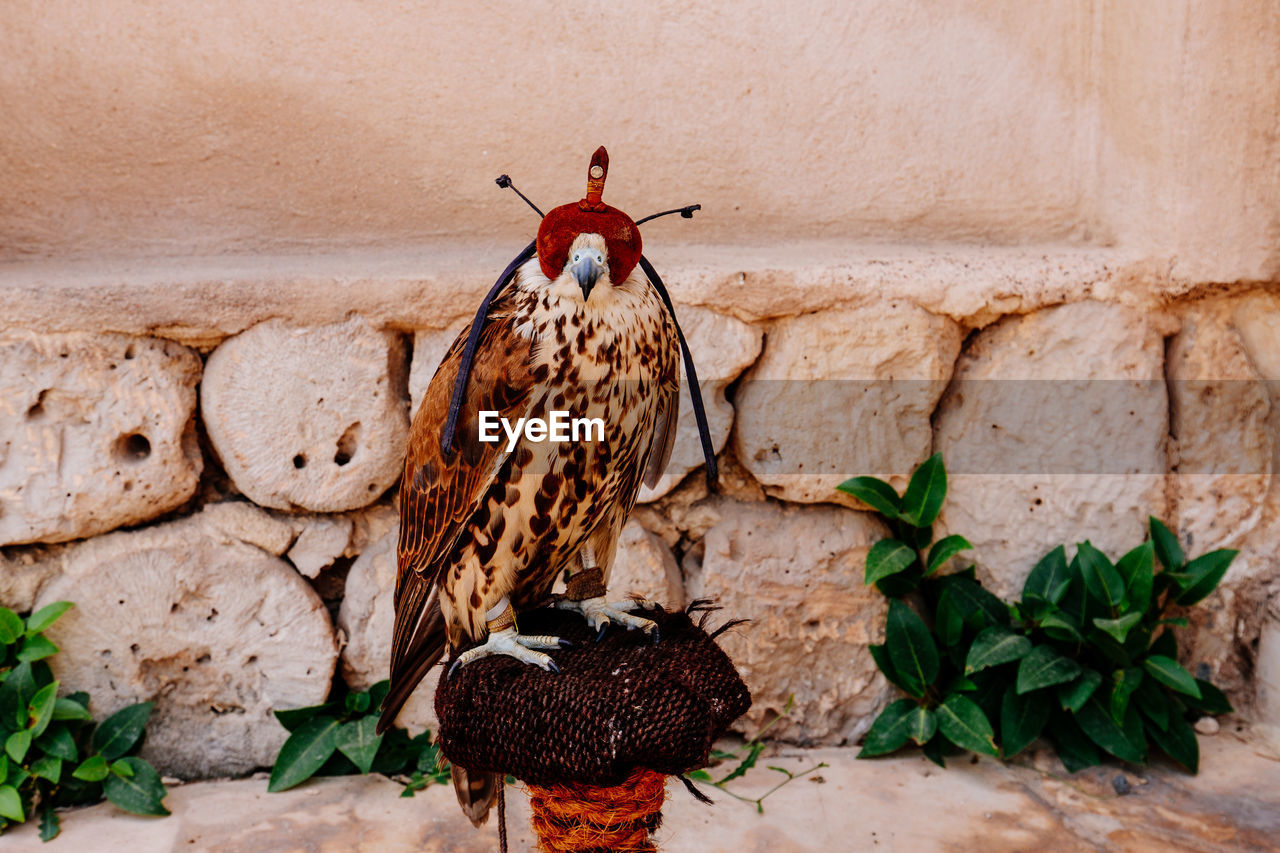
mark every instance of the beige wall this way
{"type": "Point", "coordinates": [173, 128]}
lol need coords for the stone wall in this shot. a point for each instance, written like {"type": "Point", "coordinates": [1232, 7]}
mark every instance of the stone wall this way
{"type": "Point", "coordinates": [235, 243]}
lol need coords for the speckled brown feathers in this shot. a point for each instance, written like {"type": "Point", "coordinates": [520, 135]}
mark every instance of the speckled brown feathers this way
{"type": "Point", "coordinates": [481, 523]}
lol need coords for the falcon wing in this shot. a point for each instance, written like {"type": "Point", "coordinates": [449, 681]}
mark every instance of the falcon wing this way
{"type": "Point", "coordinates": [664, 431]}
{"type": "Point", "coordinates": [439, 492]}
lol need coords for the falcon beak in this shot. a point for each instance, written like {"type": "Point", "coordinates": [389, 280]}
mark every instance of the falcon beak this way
{"type": "Point", "coordinates": [586, 271]}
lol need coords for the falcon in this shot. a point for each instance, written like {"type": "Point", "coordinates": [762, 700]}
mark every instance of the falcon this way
{"type": "Point", "coordinates": [580, 323]}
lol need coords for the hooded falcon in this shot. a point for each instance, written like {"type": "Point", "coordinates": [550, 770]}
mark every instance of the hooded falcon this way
{"type": "Point", "coordinates": [486, 527]}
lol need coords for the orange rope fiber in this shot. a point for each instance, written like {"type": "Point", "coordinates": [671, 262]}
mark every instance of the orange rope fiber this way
{"type": "Point", "coordinates": [576, 818]}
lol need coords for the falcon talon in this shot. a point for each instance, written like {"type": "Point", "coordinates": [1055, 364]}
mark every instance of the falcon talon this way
{"type": "Point", "coordinates": [566, 644]}
{"type": "Point", "coordinates": [603, 628]}
{"type": "Point", "coordinates": [551, 667]}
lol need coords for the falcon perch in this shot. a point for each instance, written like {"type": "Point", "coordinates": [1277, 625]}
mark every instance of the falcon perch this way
{"type": "Point", "coordinates": [583, 326]}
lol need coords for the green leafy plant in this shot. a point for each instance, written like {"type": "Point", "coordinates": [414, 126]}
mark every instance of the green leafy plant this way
{"type": "Point", "coordinates": [54, 755]}
{"type": "Point", "coordinates": [1086, 657]}
{"type": "Point", "coordinates": [746, 757]}
{"type": "Point", "coordinates": [337, 738]}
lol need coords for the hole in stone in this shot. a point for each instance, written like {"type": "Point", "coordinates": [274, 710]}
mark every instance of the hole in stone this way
{"type": "Point", "coordinates": [205, 658]}
{"type": "Point", "coordinates": [347, 444]}
{"type": "Point", "coordinates": [213, 614]}
{"type": "Point", "coordinates": [133, 447]}
{"type": "Point", "coordinates": [299, 461]}
{"type": "Point", "coordinates": [130, 352]}
{"type": "Point", "coordinates": [252, 659]}
{"type": "Point", "coordinates": [373, 487]}
{"type": "Point", "coordinates": [37, 408]}
{"type": "Point", "coordinates": [134, 648]}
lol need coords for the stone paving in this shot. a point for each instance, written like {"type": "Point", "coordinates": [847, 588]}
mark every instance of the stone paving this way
{"type": "Point", "coordinates": [895, 804]}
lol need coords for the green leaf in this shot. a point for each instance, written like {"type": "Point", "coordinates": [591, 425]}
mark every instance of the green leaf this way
{"type": "Point", "coordinates": [978, 606]}
{"type": "Point", "coordinates": [891, 730]}
{"type": "Point", "coordinates": [1211, 701]}
{"type": "Point", "coordinates": [964, 724]}
{"type": "Point", "coordinates": [948, 621]}
{"type": "Point", "coordinates": [10, 626]}
{"type": "Point", "coordinates": [358, 741]}
{"type": "Point", "coordinates": [944, 549]}
{"type": "Point", "coordinates": [1059, 626]}
{"type": "Point", "coordinates": [923, 498]}
{"type": "Point", "coordinates": [93, 769]}
{"type": "Point", "coordinates": [1022, 718]}
{"type": "Point", "coordinates": [1168, 551]}
{"type": "Point", "coordinates": [1049, 579]}
{"type": "Point", "coordinates": [1179, 742]}
{"type": "Point", "coordinates": [378, 693]}
{"type": "Point", "coordinates": [1124, 682]}
{"type": "Point", "coordinates": [121, 768]}
{"type": "Point", "coordinates": [356, 703]}
{"type": "Point", "coordinates": [887, 557]}
{"type": "Point", "coordinates": [876, 494]}
{"type": "Point", "coordinates": [698, 776]}
{"type": "Point", "coordinates": [50, 824]}
{"type": "Point", "coordinates": [17, 744]}
{"type": "Point", "coordinates": [66, 708]}
{"type": "Point", "coordinates": [117, 734]}
{"type": "Point", "coordinates": [15, 696]}
{"type": "Point", "coordinates": [59, 743]}
{"type": "Point", "coordinates": [1118, 628]}
{"type": "Point", "coordinates": [881, 656]}
{"type": "Point", "coordinates": [1170, 674]}
{"type": "Point", "coordinates": [1073, 695]}
{"type": "Point", "coordinates": [921, 724]}
{"type": "Point", "coordinates": [304, 752]}
{"type": "Point", "coordinates": [911, 648]}
{"type": "Point", "coordinates": [933, 750]}
{"type": "Point", "coordinates": [1166, 644]}
{"type": "Point", "coordinates": [1044, 667]}
{"type": "Point", "coordinates": [294, 717]}
{"type": "Point", "coordinates": [1100, 577]}
{"type": "Point", "coordinates": [1074, 748]}
{"type": "Point", "coordinates": [754, 748]}
{"type": "Point", "coordinates": [36, 647]}
{"type": "Point", "coordinates": [1137, 570]}
{"type": "Point", "coordinates": [11, 804]}
{"type": "Point", "coordinates": [1096, 721]}
{"type": "Point", "coordinates": [40, 711]}
{"type": "Point", "coordinates": [1153, 702]}
{"type": "Point", "coordinates": [46, 616]}
{"type": "Point", "coordinates": [139, 792]}
{"type": "Point", "coordinates": [1202, 575]}
{"type": "Point", "coordinates": [47, 767]}
{"type": "Point", "coordinates": [995, 645]}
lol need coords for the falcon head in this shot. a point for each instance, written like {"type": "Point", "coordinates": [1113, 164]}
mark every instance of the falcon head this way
{"type": "Point", "coordinates": [588, 240]}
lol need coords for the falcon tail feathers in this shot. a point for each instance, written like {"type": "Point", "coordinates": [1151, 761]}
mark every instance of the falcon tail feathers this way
{"type": "Point", "coordinates": [477, 791]}
{"type": "Point", "coordinates": [424, 652]}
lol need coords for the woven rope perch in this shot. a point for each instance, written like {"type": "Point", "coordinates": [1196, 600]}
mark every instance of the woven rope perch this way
{"type": "Point", "coordinates": [594, 743]}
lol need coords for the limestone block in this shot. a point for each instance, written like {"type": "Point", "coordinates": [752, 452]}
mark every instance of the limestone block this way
{"type": "Point", "coordinates": [96, 431]}
{"type": "Point", "coordinates": [722, 347]}
{"type": "Point", "coordinates": [643, 565]}
{"type": "Point", "coordinates": [1054, 431]}
{"type": "Point", "coordinates": [214, 630]}
{"type": "Point", "coordinates": [1224, 443]}
{"type": "Point", "coordinates": [796, 573]}
{"type": "Point", "coordinates": [1267, 673]}
{"type": "Point", "coordinates": [322, 540]}
{"type": "Point", "coordinates": [22, 573]}
{"type": "Point", "coordinates": [308, 418]}
{"type": "Point", "coordinates": [429, 348]}
{"type": "Point", "coordinates": [367, 617]}
{"type": "Point", "coordinates": [843, 393]}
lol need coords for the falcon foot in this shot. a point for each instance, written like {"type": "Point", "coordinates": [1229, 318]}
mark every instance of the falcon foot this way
{"type": "Point", "coordinates": [508, 642]}
{"type": "Point", "coordinates": [599, 613]}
